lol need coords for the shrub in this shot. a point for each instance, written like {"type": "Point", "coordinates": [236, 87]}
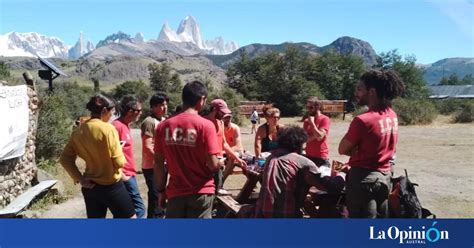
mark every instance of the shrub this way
{"type": "Point", "coordinates": [414, 111]}
{"type": "Point", "coordinates": [450, 106]}
{"type": "Point", "coordinates": [465, 115]}
{"type": "Point", "coordinates": [359, 110]}
{"type": "Point", "coordinates": [54, 127]}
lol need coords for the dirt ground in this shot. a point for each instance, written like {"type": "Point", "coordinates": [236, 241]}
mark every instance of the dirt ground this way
{"type": "Point", "coordinates": [439, 157]}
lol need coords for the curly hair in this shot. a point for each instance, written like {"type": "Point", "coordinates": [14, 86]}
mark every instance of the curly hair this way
{"type": "Point", "coordinates": [387, 83]}
{"type": "Point", "coordinates": [292, 138]}
{"type": "Point", "coordinates": [127, 103]}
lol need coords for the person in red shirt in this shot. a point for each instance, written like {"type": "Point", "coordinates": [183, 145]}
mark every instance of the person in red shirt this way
{"type": "Point", "coordinates": [188, 142]}
{"type": "Point", "coordinates": [130, 110]}
{"type": "Point", "coordinates": [287, 177]}
{"type": "Point", "coordinates": [370, 142]}
{"type": "Point", "coordinates": [218, 110]}
{"type": "Point", "coordinates": [159, 108]}
{"type": "Point", "coordinates": [317, 127]}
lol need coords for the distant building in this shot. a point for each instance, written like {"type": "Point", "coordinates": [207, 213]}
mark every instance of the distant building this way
{"type": "Point", "coordinates": [452, 91]}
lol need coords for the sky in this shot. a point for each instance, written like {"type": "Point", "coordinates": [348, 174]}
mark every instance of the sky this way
{"type": "Point", "coordinates": [428, 29]}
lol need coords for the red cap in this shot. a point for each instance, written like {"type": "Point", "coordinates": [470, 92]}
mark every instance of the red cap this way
{"type": "Point", "coordinates": [220, 106]}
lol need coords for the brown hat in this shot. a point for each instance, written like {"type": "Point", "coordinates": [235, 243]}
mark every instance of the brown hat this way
{"type": "Point", "coordinates": [220, 106]}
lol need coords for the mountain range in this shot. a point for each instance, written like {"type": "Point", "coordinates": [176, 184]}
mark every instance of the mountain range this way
{"type": "Point", "coordinates": [123, 57]}
{"type": "Point", "coordinates": [187, 40]}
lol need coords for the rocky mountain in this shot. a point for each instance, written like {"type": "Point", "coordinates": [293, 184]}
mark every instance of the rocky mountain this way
{"type": "Point", "coordinates": [112, 70]}
{"type": "Point", "coordinates": [445, 67]}
{"type": "Point", "coordinates": [349, 45]}
{"type": "Point", "coordinates": [82, 47]}
{"type": "Point", "coordinates": [118, 37]}
{"type": "Point", "coordinates": [345, 45]}
{"type": "Point", "coordinates": [190, 32]}
{"type": "Point", "coordinates": [32, 45]}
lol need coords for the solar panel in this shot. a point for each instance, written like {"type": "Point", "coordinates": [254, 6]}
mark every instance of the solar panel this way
{"type": "Point", "coordinates": [51, 66]}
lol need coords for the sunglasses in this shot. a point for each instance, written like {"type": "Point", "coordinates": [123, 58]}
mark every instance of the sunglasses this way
{"type": "Point", "coordinates": [137, 110]}
{"type": "Point", "coordinates": [275, 117]}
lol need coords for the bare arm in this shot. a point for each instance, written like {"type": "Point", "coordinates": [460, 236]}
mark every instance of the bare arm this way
{"type": "Point", "coordinates": [318, 133]}
{"type": "Point", "coordinates": [148, 144]}
{"type": "Point", "coordinates": [347, 148]}
{"type": "Point", "coordinates": [258, 142]}
{"type": "Point", "coordinates": [213, 163]}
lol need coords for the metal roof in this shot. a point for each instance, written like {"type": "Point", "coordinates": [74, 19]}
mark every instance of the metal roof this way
{"type": "Point", "coordinates": [455, 91]}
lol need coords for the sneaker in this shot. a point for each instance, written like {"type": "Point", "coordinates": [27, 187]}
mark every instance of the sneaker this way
{"type": "Point", "coordinates": [223, 192]}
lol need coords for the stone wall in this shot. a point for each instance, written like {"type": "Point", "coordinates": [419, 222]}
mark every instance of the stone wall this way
{"type": "Point", "coordinates": [18, 174]}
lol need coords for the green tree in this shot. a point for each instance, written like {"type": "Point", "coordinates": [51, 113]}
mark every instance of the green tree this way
{"type": "Point", "coordinates": [444, 81]}
{"type": "Point", "coordinates": [336, 74]}
{"type": "Point", "coordinates": [411, 74]}
{"type": "Point", "coordinates": [137, 88]}
{"type": "Point", "coordinates": [74, 97]}
{"type": "Point", "coordinates": [4, 71]}
{"type": "Point", "coordinates": [242, 76]}
{"type": "Point", "coordinates": [468, 79]}
{"type": "Point", "coordinates": [54, 127]}
{"type": "Point", "coordinates": [162, 78]}
{"type": "Point", "coordinates": [96, 83]}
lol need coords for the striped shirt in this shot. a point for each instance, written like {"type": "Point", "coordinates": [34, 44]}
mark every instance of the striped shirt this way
{"type": "Point", "coordinates": [284, 187]}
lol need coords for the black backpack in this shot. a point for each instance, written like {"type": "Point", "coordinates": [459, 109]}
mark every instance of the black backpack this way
{"type": "Point", "coordinates": [403, 201]}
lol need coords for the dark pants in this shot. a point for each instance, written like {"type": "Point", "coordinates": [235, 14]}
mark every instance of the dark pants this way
{"type": "Point", "coordinates": [190, 206]}
{"type": "Point", "coordinates": [153, 210]}
{"type": "Point", "coordinates": [102, 197]}
{"type": "Point", "coordinates": [132, 188]}
{"type": "Point", "coordinates": [367, 193]}
{"type": "Point", "coordinates": [320, 161]}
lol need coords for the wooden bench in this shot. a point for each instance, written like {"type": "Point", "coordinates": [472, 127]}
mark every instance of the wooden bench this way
{"type": "Point", "coordinates": [246, 107]}
{"type": "Point", "coordinates": [334, 106]}
{"type": "Point", "coordinates": [22, 201]}
{"type": "Point", "coordinates": [230, 204]}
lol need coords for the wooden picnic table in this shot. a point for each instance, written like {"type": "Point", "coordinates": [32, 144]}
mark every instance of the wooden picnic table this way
{"type": "Point", "coordinates": [253, 177]}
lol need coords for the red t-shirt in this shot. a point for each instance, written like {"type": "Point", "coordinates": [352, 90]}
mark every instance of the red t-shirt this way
{"type": "Point", "coordinates": [126, 140]}
{"type": "Point", "coordinates": [375, 133]}
{"type": "Point", "coordinates": [315, 148]}
{"type": "Point", "coordinates": [186, 140]}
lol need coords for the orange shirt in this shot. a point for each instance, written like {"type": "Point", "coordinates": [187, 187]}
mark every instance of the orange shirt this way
{"type": "Point", "coordinates": [231, 134]}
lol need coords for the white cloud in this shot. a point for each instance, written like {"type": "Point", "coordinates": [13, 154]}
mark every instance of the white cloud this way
{"type": "Point", "coordinates": [461, 12]}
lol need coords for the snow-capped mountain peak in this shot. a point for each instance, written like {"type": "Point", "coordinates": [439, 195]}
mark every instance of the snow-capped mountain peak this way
{"type": "Point", "coordinates": [189, 31]}
{"type": "Point", "coordinates": [82, 47]}
{"type": "Point", "coordinates": [168, 34]}
{"type": "Point", "coordinates": [32, 45]}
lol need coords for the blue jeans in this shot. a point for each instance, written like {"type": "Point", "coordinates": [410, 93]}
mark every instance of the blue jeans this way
{"type": "Point", "coordinates": [134, 192]}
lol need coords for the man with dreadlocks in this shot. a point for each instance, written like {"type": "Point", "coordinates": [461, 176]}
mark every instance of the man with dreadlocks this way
{"type": "Point", "coordinates": [370, 142]}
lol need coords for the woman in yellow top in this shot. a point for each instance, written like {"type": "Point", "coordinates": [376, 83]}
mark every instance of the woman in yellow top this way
{"type": "Point", "coordinates": [97, 143]}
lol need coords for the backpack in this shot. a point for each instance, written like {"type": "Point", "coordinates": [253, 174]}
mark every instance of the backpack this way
{"type": "Point", "coordinates": [403, 201]}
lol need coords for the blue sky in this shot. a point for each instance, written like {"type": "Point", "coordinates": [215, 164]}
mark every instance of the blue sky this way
{"type": "Point", "coordinates": [429, 29]}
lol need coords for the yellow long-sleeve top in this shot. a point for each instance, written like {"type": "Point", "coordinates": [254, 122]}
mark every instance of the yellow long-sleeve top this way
{"type": "Point", "coordinates": [98, 144]}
